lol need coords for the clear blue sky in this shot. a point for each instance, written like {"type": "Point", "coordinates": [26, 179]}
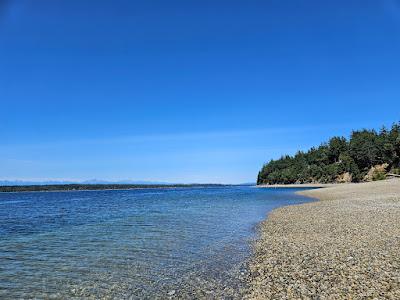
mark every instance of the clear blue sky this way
{"type": "Point", "coordinates": [188, 91]}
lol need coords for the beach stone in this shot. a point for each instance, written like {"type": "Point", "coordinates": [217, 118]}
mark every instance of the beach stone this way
{"type": "Point", "coordinates": [171, 293]}
{"type": "Point", "coordinates": [346, 246]}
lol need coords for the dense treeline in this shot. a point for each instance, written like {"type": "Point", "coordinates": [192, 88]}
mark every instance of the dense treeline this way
{"type": "Point", "coordinates": [82, 187]}
{"type": "Point", "coordinates": [367, 155]}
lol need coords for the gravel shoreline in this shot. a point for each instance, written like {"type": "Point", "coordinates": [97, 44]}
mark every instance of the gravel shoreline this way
{"type": "Point", "coordinates": [346, 246]}
{"type": "Point", "coordinates": [299, 185]}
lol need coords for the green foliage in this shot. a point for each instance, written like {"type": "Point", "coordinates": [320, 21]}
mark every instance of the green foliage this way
{"type": "Point", "coordinates": [336, 146]}
{"type": "Point", "coordinates": [379, 176]}
{"type": "Point", "coordinates": [364, 149]}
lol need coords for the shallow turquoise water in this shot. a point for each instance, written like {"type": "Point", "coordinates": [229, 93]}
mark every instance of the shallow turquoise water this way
{"type": "Point", "coordinates": [150, 243]}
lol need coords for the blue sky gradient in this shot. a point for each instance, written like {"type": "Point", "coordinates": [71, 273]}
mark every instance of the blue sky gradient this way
{"type": "Point", "coordinates": [188, 91]}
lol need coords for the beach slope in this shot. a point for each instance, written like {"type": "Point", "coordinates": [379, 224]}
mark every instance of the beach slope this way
{"type": "Point", "coordinates": [346, 246]}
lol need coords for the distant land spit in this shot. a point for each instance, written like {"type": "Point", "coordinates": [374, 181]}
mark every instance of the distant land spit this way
{"type": "Point", "coordinates": [89, 187]}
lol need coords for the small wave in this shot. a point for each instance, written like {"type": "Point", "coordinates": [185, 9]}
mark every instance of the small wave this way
{"type": "Point", "coordinates": [12, 202]}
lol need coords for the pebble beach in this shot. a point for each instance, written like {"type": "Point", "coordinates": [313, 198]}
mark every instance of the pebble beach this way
{"type": "Point", "coordinates": [345, 245]}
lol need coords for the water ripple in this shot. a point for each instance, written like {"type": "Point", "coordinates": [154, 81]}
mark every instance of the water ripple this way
{"type": "Point", "coordinates": [145, 244]}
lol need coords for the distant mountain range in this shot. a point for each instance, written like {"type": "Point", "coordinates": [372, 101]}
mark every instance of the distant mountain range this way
{"type": "Point", "coordinates": [91, 181]}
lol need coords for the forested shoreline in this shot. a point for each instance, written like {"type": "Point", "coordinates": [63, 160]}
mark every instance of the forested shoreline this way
{"type": "Point", "coordinates": [367, 155]}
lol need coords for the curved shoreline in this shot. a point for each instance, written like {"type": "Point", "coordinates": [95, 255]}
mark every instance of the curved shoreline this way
{"type": "Point", "coordinates": [345, 246]}
{"type": "Point", "coordinates": [299, 185]}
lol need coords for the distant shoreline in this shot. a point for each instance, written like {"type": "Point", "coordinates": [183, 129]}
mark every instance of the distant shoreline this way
{"type": "Point", "coordinates": [97, 187]}
{"type": "Point", "coordinates": [344, 246]}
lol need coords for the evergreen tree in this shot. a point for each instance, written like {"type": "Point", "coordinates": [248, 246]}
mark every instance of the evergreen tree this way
{"type": "Point", "coordinates": [365, 149]}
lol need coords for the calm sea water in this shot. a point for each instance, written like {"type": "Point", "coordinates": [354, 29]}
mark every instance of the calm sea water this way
{"type": "Point", "coordinates": [138, 244]}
